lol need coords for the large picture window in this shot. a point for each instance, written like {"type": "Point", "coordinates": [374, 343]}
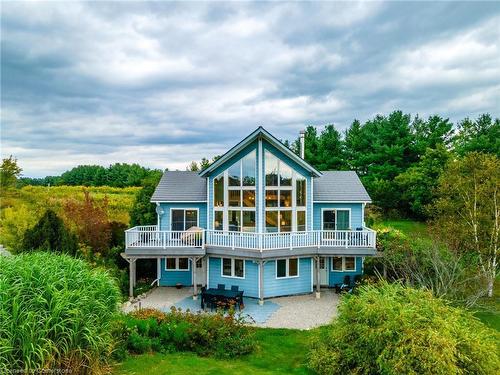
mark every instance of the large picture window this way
{"type": "Point", "coordinates": [285, 196]}
{"type": "Point", "coordinates": [234, 196]}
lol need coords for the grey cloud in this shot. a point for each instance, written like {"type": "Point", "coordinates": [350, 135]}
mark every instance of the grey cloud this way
{"type": "Point", "coordinates": [167, 83]}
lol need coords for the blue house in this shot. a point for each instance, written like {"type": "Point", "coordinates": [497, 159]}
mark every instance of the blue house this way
{"type": "Point", "coordinates": [261, 218]}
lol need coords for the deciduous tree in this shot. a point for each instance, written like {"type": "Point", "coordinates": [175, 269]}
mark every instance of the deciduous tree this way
{"type": "Point", "coordinates": [467, 211]}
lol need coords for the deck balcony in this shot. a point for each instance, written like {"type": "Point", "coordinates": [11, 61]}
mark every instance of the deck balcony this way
{"type": "Point", "coordinates": [150, 237]}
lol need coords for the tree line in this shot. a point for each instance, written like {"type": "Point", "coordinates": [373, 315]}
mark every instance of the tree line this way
{"type": "Point", "coordinates": [116, 175]}
{"type": "Point", "coordinates": [399, 158]}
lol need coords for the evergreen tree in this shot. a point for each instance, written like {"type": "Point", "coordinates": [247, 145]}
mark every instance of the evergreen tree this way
{"type": "Point", "coordinates": [143, 212]}
{"type": "Point", "coordinates": [50, 234]}
{"type": "Point", "coordinates": [481, 135]}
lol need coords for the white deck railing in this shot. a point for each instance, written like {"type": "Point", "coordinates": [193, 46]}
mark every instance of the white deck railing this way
{"type": "Point", "coordinates": [150, 236]}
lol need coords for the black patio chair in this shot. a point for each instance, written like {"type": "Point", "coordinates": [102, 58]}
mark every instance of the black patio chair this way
{"type": "Point", "coordinates": [221, 286]}
{"type": "Point", "coordinates": [234, 288]}
{"type": "Point", "coordinates": [346, 285]}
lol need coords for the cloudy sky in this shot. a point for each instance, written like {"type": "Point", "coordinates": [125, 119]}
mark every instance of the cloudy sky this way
{"type": "Point", "coordinates": [162, 84]}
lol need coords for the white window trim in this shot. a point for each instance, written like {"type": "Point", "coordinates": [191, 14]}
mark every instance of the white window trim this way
{"type": "Point", "coordinates": [233, 276]}
{"type": "Point", "coordinates": [343, 264]}
{"type": "Point", "coordinates": [177, 264]}
{"type": "Point", "coordinates": [185, 209]}
{"type": "Point", "coordinates": [293, 188]}
{"type": "Point", "coordinates": [226, 208]}
{"type": "Point", "coordinates": [287, 269]}
{"type": "Point", "coordinates": [336, 221]}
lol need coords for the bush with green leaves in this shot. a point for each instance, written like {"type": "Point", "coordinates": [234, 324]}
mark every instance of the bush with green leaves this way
{"type": "Point", "coordinates": [55, 312]}
{"type": "Point", "coordinates": [391, 329]}
{"type": "Point", "coordinates": [223, 335]}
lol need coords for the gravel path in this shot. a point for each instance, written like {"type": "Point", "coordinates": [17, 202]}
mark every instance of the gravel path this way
{"type": "Point", "coordinates": [160, 298]}
{"type": "Point", "coordinates": [300, 312]}
{"type": "Point", "coordinates": [303, 312]}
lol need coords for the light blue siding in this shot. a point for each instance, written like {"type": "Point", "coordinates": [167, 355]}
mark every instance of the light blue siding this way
{"type": "Point", "coordinates": [356, 213]}
{"type": "Point", "coordinates": [295, 285]}
{"type": "Point", "coordinates": [337, 277]}
{"type": "Point", "coordinates": [165, 218]}
{"type": "Point", "coordinates": [250, 284]}
{"type": "Point", "coordinates": [170, 278]}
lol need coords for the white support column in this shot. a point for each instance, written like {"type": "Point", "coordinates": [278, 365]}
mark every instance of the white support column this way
{"type": "Point", "coordinates": [261, 282]}
{"type": "Point", "coordinates": [135, 273]}
{"type": "Point", "coordinates": [131, 281]}
{"type": "Point", "coordinates": [193, 270]}
{"type": "Point", "coordinates": [318, 279]}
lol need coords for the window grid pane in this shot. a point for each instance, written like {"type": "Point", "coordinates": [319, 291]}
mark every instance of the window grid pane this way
{"type": "Point", "coordinates": [183, 263]}
{"type": "Point", "coordinates": [337, 263]}
{"type": "Point", "coordinates": [281, 268]}
{"type": "Point", "coordinates": [293, 267]}
{"type": "Point", "coordinates": [170, 263]}
{"type": "Point", "coordinates": [234, 221]}
{"type": "Point", "coordinates": [248, 167]}
{"type": "Point", "coordinates": [226, 266]}
{"type": "Point", "coordinates": [350, 264]}
{"type": "Point", "coordinates": [238, 267]}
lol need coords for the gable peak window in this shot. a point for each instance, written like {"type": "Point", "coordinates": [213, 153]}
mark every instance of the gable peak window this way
{"type": "Point", "coordinates": [235, 196]}
{"type": "Point", "coordinates": [285, 196]}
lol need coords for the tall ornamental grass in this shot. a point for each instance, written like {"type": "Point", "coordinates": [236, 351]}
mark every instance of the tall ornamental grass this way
{"type": "Point", "coordinates": [55, 313]}
{"type": "Point", "coordinates": [392, 329]}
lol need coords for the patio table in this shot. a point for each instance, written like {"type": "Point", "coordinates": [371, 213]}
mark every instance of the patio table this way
{"type": "Point", "coordinates": [222, 294]}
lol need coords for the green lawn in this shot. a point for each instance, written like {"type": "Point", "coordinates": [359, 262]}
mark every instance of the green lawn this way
{"type": "Point", "coordinates": [281, 351]}
{"type": "Point", "coordinates": [409, 227]}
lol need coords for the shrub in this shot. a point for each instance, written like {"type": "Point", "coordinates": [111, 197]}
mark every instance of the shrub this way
{"type": "Point", "coordinates": [223, 335]}
{"type": "Point", "coordinates": [391, 329]}
{"type": "Point", "coordinates": [55, 312]}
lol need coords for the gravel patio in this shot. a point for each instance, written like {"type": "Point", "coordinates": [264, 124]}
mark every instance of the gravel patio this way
{"type": "Point", "coordinates": [300, 312]}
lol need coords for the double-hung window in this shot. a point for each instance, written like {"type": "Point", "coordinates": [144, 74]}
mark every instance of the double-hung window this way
{"type": "Point", "coordinates": [232, 267]}
{"type": "Point", "coordinates": [343, 264]}
{"type": "Point", "coordinates": [176, 264]}
{"type": "Point", "coordinates": [286, 268]}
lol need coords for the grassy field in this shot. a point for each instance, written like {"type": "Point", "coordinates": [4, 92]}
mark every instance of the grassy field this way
{"type": "Point", "coordinates": [21, 208]}
{"type": "Point", "coordinates": [409, 227]}
{"type": "Point", "coordinates": [281, 351]}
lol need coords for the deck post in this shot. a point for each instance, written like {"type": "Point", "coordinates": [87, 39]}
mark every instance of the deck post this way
{"type": "Point", "coordinates": [318, 279]}
{"type": "Point", "coordinates": [193, 270]}
{"type": "Point", "coordinates": [261, 282]}
{"type": "Point", "coordinates": [131, 262]}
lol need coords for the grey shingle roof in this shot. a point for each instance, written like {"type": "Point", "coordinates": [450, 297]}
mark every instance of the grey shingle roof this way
{"type": "Point", "coordinates": [180, 186]}
{"type": "Point", "coordinates": [340, 186]}
{"type": "Point", "coordinates": [185, 186]}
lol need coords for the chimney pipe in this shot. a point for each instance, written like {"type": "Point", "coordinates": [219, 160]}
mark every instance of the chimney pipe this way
{"type": "Point", "coordinates": [302, 143]}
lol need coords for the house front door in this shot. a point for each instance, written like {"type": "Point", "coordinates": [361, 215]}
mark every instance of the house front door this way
{"type": "Point", "coordinates": [323, 271]}
{"type": "Point", "coordinates": [201, 271]}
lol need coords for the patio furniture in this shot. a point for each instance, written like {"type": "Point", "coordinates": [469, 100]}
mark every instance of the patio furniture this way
{"type": "Point", "coordinates": [213, 297]}
{"type": "Point", "coordinates": [235, 288]}
{"type": "Point", "coordinates": [221, 286]}
{"type": "Point", "coordinates": [346, 285]}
